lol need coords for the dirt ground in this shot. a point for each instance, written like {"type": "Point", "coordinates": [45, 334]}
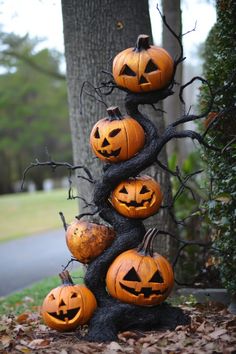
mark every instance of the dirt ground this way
{"type": "Point", "coordinates": [212, 330]}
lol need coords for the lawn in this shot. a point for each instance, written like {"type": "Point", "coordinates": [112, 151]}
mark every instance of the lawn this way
{"type": "Point", "coordinates": [23, 214]}
{"type": "Point", "coordinates": [31, 298]}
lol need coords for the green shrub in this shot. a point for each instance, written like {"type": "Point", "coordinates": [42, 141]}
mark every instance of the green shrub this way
{"type": "Point", "coordinates": [220, 61]}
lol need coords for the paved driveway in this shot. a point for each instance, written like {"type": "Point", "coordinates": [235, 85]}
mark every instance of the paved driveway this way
{"type": "Point", "coordinates": [28, 260]}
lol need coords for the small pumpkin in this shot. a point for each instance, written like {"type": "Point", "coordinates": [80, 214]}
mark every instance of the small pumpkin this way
{"type": "Point", "coordinates": [116, 138]}
{"type": "Point", "coordinates": [139, 276]}
{"type": "Point", "coordinates": [87, 240]}
{"type": "Point", "coordinates": [138, 197]}
{"type": "Point", "coordinates": [144, 67]}
{"type": "Point", "coordinates": [68, 305]}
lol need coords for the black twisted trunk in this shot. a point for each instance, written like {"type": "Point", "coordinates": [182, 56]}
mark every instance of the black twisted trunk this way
{"type": "Point", "coordinates": [113, 316]}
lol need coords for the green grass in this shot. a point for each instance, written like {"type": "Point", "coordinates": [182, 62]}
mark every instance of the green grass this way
{"type": "Point", "coordinates": [30, 299]}
{"type": "Point", "coordinates": [24, 214]}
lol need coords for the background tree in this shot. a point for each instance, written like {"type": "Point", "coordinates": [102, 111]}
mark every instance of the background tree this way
{"type": "Point", "coordinates": [94, 32]}
{"type": "Point", "coordinates": [172, 105]}
{"type": "Point", "coordinates": [33, 111]}
{"type": "Point", "coordinates": [220, 61]}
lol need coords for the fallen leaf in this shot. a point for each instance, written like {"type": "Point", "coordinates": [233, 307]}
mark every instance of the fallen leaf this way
{"type": "Point", "coordinates": [130, 334]}
{"type": "Point", "coordinates": [22, 318]}
{"type": "Point", "coordinates": [39, 343]}
{"type": "Point", "coordinates": [23, 349]}
{"type": "Point", "coordinates": [5, 341]}
{"type": "Point", "coordinates": [201, 328]}
{"type": "Point", "coordinates": [216, 334]}
{"type": "Point", "coordinates": [114, 346]}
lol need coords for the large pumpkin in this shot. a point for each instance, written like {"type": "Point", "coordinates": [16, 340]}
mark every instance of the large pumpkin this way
{"type": "Point", "coordinates": [87, 240]}
{"type": "Point", "coordinates": [68, 305]}
{"type": "Point", "coordinates": [138, 197]}
{"type": "Point", "coordinates": [116, 137]}
{"type": "Point", "coordinates": [144, 67]}
{"type": "Point", "coordinates": [139, 276]}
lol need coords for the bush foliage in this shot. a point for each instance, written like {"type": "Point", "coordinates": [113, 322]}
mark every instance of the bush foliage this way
{"type": "Point", "coordinates": [220, 71]}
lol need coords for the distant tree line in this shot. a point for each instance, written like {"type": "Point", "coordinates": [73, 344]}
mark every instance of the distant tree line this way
{"type": "Point", "coordinates": [33, 109]}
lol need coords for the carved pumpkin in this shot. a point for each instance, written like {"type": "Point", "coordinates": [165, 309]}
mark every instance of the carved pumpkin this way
{"type": "Point", "coordinates": [116, 137]}
{"type": "Point", "coordinates": [144, 67]}
{"type": "Point", "coordinates": [139, 276]}
{"type": "Point", "coordinates": [87, 240]}
{"type": "Point", "coordinates": [138, 197]}
{"type": "Point", "coordinates": [68, 305]}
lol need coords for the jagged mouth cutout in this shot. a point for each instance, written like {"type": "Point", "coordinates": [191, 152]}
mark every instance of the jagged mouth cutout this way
{"type": "Point", "coordinates": [113, 153]}
{"type": "Point", "coordinates": [146, 291]}
{"type": "Point", "coordinates": [64, 317]}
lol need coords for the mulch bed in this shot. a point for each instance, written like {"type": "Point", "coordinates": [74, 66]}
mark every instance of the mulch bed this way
{"type": "Point", "coordinates": [212, 330]}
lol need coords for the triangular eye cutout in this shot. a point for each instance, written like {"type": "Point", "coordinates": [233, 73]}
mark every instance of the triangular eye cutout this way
{"type": "Point", "coordinates": [142, 80]}
{"type": "Point", "coordinates": [151, 67]}
{"type": "Point", "coordinates": [132, 275]}
{"type": "Point", "coordinates": [96, 134]}
{"type": "Point", "coordinates": [51, 297]}
{"type": "Point", "coordinates": [144, 190]}
{"type": "Point", "coordinates": [62, 303]}
{"type": "Point", "coordinates": [156, 278]}
{"type": "Point", "coordinates": [114, 132]}
{"type": "Point", "coordinates": [123, 190]}
{"type": "Point", "coordinates": [73, 295]}
{"type": "Point", "coordinates": [127, 71]}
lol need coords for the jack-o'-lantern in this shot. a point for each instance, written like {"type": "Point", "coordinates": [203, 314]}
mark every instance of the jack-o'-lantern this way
{"type": "Point", "coordinates": [138, 197]}
{"type": "Point", "coordinates": [68, 306]}
{"type": "Point", "coordinates": [87, 240]}
{"type": "Point", "coordinates": [139, 276]}
{"type": "Point", "coordinates": [144, 67]}
{"type": "Point", "coordinates": [116, 137]}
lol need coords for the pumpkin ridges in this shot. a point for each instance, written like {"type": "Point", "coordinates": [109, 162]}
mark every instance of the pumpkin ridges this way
{"type": "Point", "coordinates": [138, 278]}
{"type": "Point", "coordinates": [87, 240]}
{"type": "Point", "coordinates": [137, 59]}
{"type": "Point", "coordinates": [52, 308]}
{"type": "Point", "coordinates": [118, 143]}
{"type": "Point", "coordinates": [147, 204]}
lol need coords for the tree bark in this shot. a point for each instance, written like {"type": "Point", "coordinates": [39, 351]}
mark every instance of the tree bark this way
{"type": "Point", "coordinates": [94, 32]}
{"type": "Point", "coordinates": [172, 107]}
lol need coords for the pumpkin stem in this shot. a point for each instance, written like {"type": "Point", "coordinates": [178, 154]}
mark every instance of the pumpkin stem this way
{"type": "Point", "coordinates": [142, 43]}
{"type": "Point", "coordinates": [66, 278]}
{"type": "Point", "coordinates": [146, 247]}
{"type": "Point", "coordinates": [114, 113]}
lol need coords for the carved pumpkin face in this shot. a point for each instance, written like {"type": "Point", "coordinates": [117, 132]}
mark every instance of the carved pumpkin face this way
{"type": "Point", "coordinates": [68, 306]}
{"type": "Point", "coordinates": [137, 278]}
{"type": "Point", "coordinates": [87, 240]}
{"type": "Point", "coordinates": [143, 68]}
{"type": "Point", "coordinates": [138, 197]}
{"type": "Point", "coordinates": [116, 138]}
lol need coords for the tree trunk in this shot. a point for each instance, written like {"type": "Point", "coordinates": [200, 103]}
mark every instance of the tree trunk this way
{"type": "Point", "coordinates": [172, 105]}
{"type": "Point", "coordinates": [94, 32]}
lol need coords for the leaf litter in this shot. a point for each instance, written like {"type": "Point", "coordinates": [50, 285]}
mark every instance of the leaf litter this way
{"type": "Point", "coordinates": [212, 330]}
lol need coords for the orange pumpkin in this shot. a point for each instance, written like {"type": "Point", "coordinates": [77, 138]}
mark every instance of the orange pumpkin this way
{"type": "Point", "coordinates": [138, 197]}
{"type": "Point", "coordinates": [139, 276]}
{"type": "Point", "coordinates": [68, 305]}
{"type": "Point", "coordinates": [116, 137]}
{"type": "Point", "coordinates": [87, 240]}
{"type": "Point", "coordinates": [144, 67]}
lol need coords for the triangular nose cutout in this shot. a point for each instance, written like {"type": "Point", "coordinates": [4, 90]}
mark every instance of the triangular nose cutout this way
{"type": "Point", "coordinates": [105, 143]}
{"type": "Point", "coordinates": [143, 80]}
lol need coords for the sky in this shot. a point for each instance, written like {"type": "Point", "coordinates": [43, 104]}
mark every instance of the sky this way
{"type": "Point", "coordinates": [43, 19]}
